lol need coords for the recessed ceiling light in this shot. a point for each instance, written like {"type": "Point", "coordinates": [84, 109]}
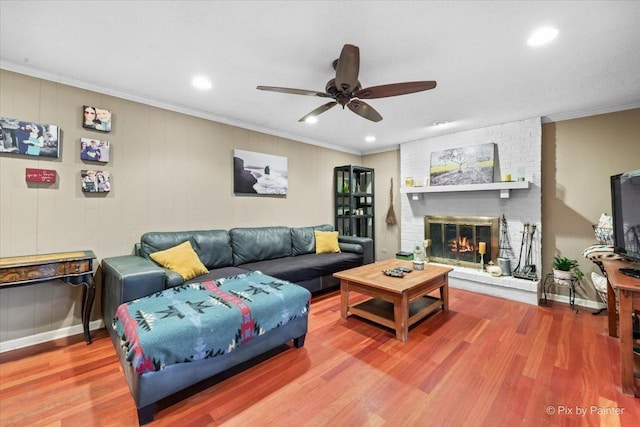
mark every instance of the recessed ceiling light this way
{"type": "Point", "coordinates": [311, 120]}
{"type": "Point", "coordinates": [201, 83]}
{"type": "Point", "coordinates": [542, 36]}
{"type": "Point", "coordinates": [370, 138]}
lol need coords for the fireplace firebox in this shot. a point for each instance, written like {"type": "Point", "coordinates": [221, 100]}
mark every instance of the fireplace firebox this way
{"type": "Point", "coordinates": [455, 240]}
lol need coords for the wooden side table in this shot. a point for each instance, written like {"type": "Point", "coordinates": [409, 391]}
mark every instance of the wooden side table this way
{"type": "Point", "coordinates": [75, 268]}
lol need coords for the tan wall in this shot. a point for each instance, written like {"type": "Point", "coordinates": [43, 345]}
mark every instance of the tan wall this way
{"type": "Point", "coordinates": [170, 171]}
{"type": "Point", "coordinates": [578, 157]}
{"type": "Point", "coordinates": [387, 166]}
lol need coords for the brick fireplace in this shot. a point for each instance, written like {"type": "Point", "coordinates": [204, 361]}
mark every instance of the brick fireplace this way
{"type": "Point", "coordinates": [519, 153]}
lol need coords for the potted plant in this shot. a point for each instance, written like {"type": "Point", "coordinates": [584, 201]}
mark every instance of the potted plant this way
{"type": "Point", "coordinates": [564, 269]}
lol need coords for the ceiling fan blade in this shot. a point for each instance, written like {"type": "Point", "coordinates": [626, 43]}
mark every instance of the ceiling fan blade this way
{"type": "Point", "coordinates": [321, 109]}
{"type": "Point", "coordinates": [365, 110]}
{"type": "Point", "coordinates": [348, 68]}
{"type": "Point", "coordinates": [294, 91]}
{"type": "Point", "coordinates": [395, 89]}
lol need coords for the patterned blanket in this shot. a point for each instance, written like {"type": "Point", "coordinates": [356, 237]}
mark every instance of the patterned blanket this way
{"type": "Point", "coordinates": [202, 320]}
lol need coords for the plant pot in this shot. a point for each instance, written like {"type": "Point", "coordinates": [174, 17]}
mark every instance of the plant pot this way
{"type": "Point", "coordinates": [562, 278]}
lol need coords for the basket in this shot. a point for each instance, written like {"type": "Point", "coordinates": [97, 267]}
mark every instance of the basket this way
{"type": "Point", "coordinates": [604, 235]}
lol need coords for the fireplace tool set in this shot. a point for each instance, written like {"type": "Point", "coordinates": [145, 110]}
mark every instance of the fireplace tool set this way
{"type": "Point", "coordinates": [528, 270]}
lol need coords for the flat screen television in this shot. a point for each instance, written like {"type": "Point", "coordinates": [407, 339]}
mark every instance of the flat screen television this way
{"type": "Point", "coordinates": [625, 206]}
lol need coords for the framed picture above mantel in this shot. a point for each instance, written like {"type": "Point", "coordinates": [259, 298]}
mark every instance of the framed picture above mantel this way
{"type": "Point", "coordinates": [463, 165]}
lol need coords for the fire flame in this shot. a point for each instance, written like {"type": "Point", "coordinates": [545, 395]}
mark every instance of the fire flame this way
{"type": "Point", "coordinates": [461, 245]}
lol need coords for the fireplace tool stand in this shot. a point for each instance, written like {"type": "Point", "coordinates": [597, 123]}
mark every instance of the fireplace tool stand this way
{"type": "Point", "coordinates": [528, 271]}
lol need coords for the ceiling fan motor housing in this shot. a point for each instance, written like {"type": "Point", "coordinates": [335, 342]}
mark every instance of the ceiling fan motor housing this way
{"type": "Point", "coordinates": [341, 97]}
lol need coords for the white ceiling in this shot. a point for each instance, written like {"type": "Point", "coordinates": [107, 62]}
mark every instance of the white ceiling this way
{"type": "Point", "coordinates": [149, 51]}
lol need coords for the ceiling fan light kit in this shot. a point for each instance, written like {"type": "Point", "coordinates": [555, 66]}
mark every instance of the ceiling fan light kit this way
{"type": "Point", "coordinates": [345, 89]}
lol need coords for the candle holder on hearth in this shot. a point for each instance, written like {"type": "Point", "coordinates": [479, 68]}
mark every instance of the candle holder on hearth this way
{"type": "Point", "coordinates": [427, 249]}
{"type": "Point", "coordinates": [482, 249]}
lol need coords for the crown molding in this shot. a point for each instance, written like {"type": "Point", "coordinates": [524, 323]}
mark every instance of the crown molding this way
{"type": "Point", "coordinates": [32, 72]}
{"type": "Point", "coordinates": [587, 113]}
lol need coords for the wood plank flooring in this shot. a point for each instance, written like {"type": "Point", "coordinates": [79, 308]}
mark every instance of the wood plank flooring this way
{"type": "Point", "coordinates": [486, 362]}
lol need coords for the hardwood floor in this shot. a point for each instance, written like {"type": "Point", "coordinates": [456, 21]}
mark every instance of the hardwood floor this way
{"type": "Point", "coordinates": [486, 362]}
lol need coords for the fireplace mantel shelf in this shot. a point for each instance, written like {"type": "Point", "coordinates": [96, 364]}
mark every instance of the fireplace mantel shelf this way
{"type": "Point", "coordinates": [503, 187]}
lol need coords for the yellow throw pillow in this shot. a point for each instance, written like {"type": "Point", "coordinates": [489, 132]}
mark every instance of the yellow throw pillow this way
{"type": "Point", "coordinates": [326, 242]}
{"type": "Point", "coordinates": [182, 259]}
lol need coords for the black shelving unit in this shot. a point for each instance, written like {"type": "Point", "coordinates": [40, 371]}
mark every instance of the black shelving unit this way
{"type": "Point", "coordinates": [354, 201]}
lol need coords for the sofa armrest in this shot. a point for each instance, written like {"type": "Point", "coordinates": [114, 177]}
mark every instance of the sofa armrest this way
{"type": "Point", "coordinates": [359, 245]}
{"type": "Point", "coordinates": [172, 278]}
{"type": "Point", "coordinates": [126, 278]}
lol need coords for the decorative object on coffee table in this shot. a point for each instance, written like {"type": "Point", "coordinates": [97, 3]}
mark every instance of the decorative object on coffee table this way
{"type": "Point", "coordinates": [418, 258]}
{"type": "Point", "coordinates": [394, 272]}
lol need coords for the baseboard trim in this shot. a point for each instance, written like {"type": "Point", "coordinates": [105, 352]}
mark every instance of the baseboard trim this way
{"type": "Point", "coordinates": [578, 301]}
{"type": "Point", "coordinates": [43, 337]}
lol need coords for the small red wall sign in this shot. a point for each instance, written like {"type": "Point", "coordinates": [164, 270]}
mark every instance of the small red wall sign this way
{"type": "Point", "coordinates": [40, 175]}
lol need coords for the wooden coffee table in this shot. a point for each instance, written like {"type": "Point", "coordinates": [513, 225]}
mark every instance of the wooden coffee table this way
{"type": "Point", "coordinates": [395, 302]}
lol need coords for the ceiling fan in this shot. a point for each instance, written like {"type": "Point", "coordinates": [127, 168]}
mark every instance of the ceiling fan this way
{"type": "Point", "coordinates": [345, 88]}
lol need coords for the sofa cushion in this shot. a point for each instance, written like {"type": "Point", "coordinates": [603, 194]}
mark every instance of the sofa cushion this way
{"type": "Point", "coordinates": [182, 259]}
{"type": "Point", "coordinates": [212, 246]}
{"type": "Point", "coordinates": [306, 267]}
{"type": "Point", "coordinates": [303, 241]}
{"type": "Point", "coordinates": [260, 243]}
{"type": "Point", "coordinates": [326, 242]}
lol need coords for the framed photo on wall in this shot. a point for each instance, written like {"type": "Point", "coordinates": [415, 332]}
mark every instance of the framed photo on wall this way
{"type": "Point", "coordinates": [94, 150]}
{"type": "Point", "coordinates": [94, 181]}
{"type": "Point", "coordinates": [29, 138]}
{"type": "Point", "coordinates": [96, 118]}
{"type": "Point", "coordinates": [258, 173]}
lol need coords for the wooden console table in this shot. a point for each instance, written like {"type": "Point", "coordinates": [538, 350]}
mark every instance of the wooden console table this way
{"type": "Point", "coordinates": [629, 298]}
{"type": "Point", "coordinates": [75, 268]}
